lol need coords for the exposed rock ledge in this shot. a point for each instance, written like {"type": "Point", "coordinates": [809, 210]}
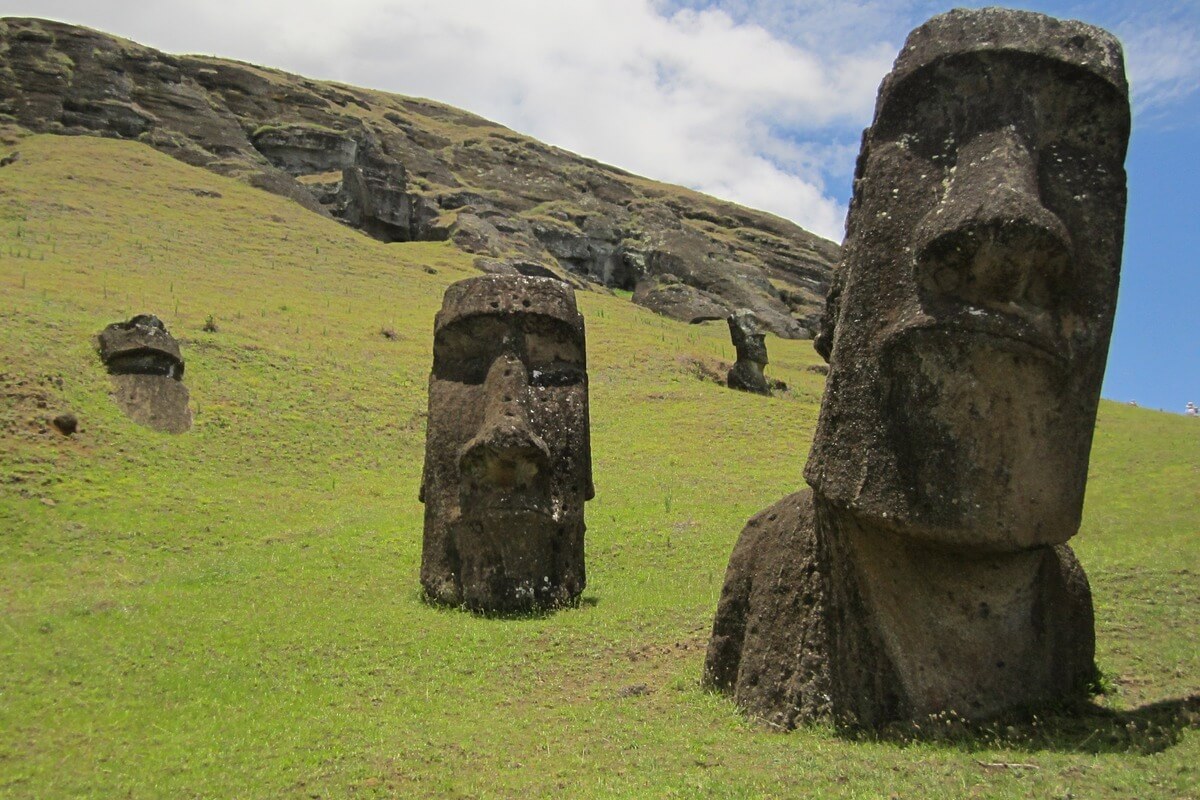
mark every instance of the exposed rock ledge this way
{"type": "Point", "coordinates": [403, 169]}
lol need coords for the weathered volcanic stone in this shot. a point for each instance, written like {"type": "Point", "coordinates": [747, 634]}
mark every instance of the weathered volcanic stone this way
{"type": "Point", "coordinates": [507, 449]}
{"type": "Point", "coordinates": [966, 331]}
{"type": "Point", "coordinates": [668, 296]}
{"type": "Point", "coordinates": [147, 372]}
{"type": "Point", "coordinates": [750, 343]}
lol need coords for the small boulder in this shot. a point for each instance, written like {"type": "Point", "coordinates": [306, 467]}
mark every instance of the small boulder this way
{"type": "Point", "coordinates": [679, 301]}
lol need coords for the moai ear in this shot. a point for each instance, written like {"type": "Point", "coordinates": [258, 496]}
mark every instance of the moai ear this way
{"type": "Point", "coordinates": [823, 340]}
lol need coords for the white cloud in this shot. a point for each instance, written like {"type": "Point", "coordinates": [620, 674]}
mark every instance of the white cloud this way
{"type": "Point", "coordinates": [690, 96]}
{"type": "Point", "coordinates": [684, 98]}
{"type": "Point", "coordinates": [757, 101]}
{"type": "Point", "coordinates": [1163, 65]}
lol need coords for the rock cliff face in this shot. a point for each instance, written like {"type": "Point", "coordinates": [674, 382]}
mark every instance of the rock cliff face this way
{"type": "Point", "coordinates": [403, 169]}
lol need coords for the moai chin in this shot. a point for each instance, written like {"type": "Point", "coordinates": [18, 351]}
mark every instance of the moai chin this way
{"type": "Point", "coordinates": [507, 448]}
{"type": "Point", "coordinates": [146, 366]}
{"type": "Point", "coordinates": [966, 333]}
{"type": "Point", "coordinates": [749, 342]}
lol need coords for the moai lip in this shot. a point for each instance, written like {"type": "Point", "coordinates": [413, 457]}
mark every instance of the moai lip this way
{"type": "Point", "coordinates": [966, 333]}
{"type": "Point", "coordinates": [507, 449]}
{"type": "Point", "coordinates": [146, 366]}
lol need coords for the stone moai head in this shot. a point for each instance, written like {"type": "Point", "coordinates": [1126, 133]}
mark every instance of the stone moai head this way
{"type": "Point", "coordinates": [969, 322]}
{"type": "Point", "coordinates": [507, 448]}
{"type": "Point", "coordinates": [748, 338]}
{"type": "Point", "coordinates": [146, 366]}
{"type": "Point", "coordinates": [749, 341]}
{"type": "Point", "coordinates": [140, 346]}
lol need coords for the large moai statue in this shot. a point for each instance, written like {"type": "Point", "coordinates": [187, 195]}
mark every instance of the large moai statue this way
{"type": "Point", "coordinates": [147, 372]}
{"type": "Point", "coordinates": [507, 450]}
{"type": "Point", "coordinates": [749, 341]}
{"type": "Point", "coordinates": [927, 571]}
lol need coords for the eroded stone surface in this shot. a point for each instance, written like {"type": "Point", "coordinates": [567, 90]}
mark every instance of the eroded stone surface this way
{"type": "Point", "coordinates": [146, 366]}
{"type": "Point", "coordinates": [507, 449]}
{"type": "Point", "coordinates": [749, 342]}
{"type": "Point", "coordinates": [966, 331]}
{"type": "Point", "coordinates": [669, 296]}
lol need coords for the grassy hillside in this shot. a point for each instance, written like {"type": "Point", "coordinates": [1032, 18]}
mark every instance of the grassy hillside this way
{"type": "Point", "coordinates": [235, 611]}
{"type": "Point", "coordinates": [409, 169]}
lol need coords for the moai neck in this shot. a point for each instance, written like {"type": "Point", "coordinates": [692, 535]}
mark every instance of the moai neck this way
{"type": "Point", "coordinates": [972, 634]}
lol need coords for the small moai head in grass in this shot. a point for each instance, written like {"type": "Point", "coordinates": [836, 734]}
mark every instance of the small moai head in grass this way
{"type": "Point", "coordinates": [749, 341]}
{"type": "Point", "coordinates": [146, 366]}
{"type": "Point", "coordinates": [507, 448]}
{"type": "Point", "coordinates": [969, 322]}
{"type": "Point", "coordinates": [140, 346]}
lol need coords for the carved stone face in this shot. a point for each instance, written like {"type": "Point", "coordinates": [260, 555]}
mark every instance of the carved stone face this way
{"type": "Point", "coordinates": [975, 298]}
{"type": "Point", "coordinates": [140, 346]}
{"type": "Point", "coordinates": [507, 450]}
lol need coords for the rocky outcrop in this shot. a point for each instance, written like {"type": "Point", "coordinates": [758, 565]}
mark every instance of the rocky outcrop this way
{"type": "Point", "coordinates": [402, 169]}
{"type": "Point", "coordinates": [669, 296]}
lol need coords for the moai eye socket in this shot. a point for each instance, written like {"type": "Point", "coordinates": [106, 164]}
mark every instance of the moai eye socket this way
{"type": "Point", "coordinates": [553, 353]}
{"type": "Point", "coordinates": [558, 374]}
{"type": "Point", "coordinates": [464, 351]}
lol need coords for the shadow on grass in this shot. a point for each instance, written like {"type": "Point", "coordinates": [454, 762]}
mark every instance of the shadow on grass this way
{"type": "Point", "coordinates": [1085, 728]}
{"type": "Point", "coordinates": [542, 612]}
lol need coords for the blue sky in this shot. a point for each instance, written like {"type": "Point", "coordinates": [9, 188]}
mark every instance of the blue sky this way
{"type": "Point", "coordinates": [1154, 357]}
{"type": "Point", "coordinates": [758, 101]}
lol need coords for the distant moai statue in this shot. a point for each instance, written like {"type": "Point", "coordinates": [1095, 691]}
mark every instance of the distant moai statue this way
{"type": "Point", "coordinates": [146, 366]}
{"type": "Point", "coordinates": [749, 341]}
{"type": "Point", "coordinates": [507, 449]}
{"type": "Point", "coordinates": [926, 571]}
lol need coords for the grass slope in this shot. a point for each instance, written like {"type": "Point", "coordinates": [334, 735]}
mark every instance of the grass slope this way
{"type": "Point", "coordinates": [235, 611]}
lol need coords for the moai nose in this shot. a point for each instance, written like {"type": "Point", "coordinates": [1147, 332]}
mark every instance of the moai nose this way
{"type": "Point", "coordinates": [506, 454]}
{"type": "Point", "coordinates": [991, 240]}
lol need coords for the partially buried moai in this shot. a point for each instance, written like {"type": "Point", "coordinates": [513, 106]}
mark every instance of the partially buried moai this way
{"type": "Point", "coordinates": [146, 366]}
{"type": "Point", "coordinates": [749, 342]}
{"type": "Point", "coordinates": [967, 331]}
{"type": "Point", "coordinates": [507, 449]}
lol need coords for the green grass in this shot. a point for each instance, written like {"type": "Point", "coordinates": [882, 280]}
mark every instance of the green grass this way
{"type": "Point", "coordinates": [235, 612]}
